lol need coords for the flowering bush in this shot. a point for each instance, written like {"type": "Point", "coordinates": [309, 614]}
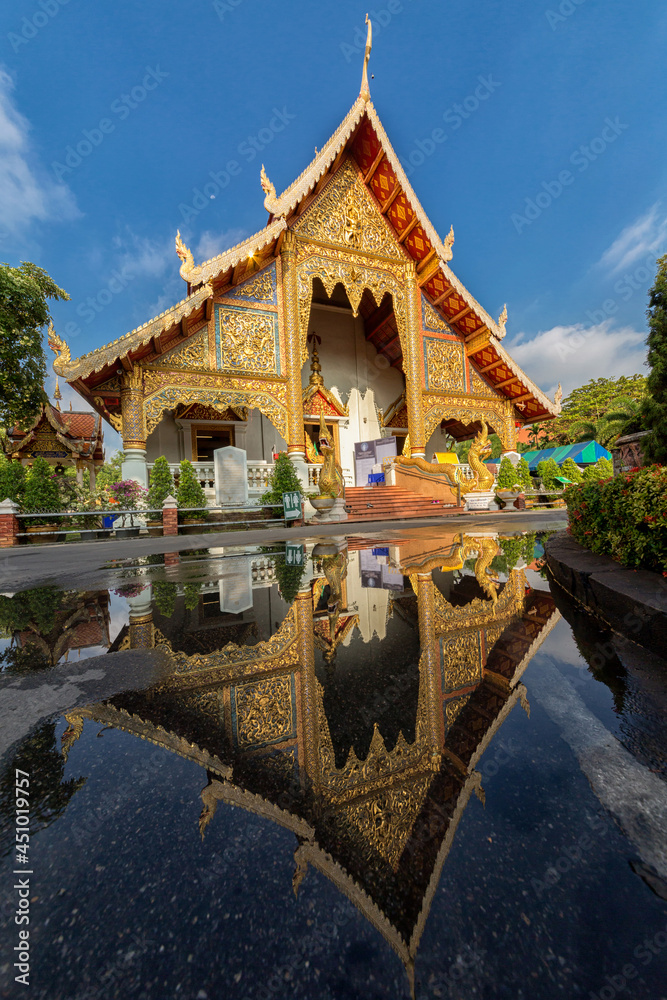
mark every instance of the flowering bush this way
{"type": "Point", "coordinates": [126, 495]}
{"type": "Point", "coordinates": [623, 517]}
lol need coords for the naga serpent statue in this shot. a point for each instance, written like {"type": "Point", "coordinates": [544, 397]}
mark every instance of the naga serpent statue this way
{"type": "Point", "coordinates": [479, 450]}
{"type": "Point", "coordinates": [331, 481]}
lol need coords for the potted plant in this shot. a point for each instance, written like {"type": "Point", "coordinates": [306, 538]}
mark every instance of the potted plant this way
{"type": "Point", "coordinates": [283, 479]}
{"type": "Point", "coordinates": [190, 498]}
{"type": "Point", "coordinates": [508, 486]}
{"type": "Point", "coordinates": [90, 520]}
{"type": "Point", "coordinates": [42, 496]}
{"type": "Point", "coordinates": [127, 495]}
{"type": "Point", "coordinates": [160, 487]}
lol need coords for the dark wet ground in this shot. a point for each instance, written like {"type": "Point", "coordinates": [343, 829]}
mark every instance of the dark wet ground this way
{"type": "Point", "coordinates": [383, 797]}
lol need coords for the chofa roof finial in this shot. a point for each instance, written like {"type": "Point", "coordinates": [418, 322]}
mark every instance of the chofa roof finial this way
{"type": "Point", "coordinates": [365, 91]}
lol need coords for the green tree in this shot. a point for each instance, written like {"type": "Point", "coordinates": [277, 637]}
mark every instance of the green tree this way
{"type": "Point", "coordinates": [24, 312]}
{"type": "Point", "coordinates": [41, 492]}
{"type": "Point", "coordinates": [547, 470]}
{"type": "Point", "coordinates": [12, 480]}
{"type": "Point", "coordinates": [654, 412]}
{"type": "Point", "coordinates": [593, 430]}
{"type": "Point", "coordinates": [111, 471]}
{"type": "Point", "coordinates": [592, 402]}
{"type": "Point", "coordinates": [191, 593]}
{"type": "Point", "coordinates": [626, 417]}
{"type": "Point", "coordinates": [161, 484]}
{"type": "Point", "coordinates": [602, 469]}
{"type": "Point", "coordinates": [283, 479]}
{"type": "Point", "coordinates": [571, 471]}
{"type": "Point", "coordinates": [190, 493]}
{"type": "Point", "coordinates": [523, 474]}
{"type": "Point", "coordinates": [164, 597]}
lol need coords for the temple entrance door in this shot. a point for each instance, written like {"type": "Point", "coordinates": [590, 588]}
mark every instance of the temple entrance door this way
{"type": "Point", "coordinates": [205, 440]}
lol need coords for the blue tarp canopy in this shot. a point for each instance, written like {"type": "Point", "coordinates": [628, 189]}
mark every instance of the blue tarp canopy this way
{"type": "Point", "coordinates": [584, 453]}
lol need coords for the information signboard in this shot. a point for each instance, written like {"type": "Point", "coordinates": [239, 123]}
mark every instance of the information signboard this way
{"type": "Point", "coordinates": [292, 505]}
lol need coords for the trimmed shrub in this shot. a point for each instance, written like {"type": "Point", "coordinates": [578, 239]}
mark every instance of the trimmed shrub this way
{"type": "Point", "coordinates": [623, 517]}
{"type": "Point", "coordinates": [547, 470]}
{"type": "Point", "coordinates": [126, 494]}
{"type": "Point", "coordinates": [283, 479]}
{"type": "Point", "coordinates": [164, 597]}
{"type": "Point", "coordinates": [191, 593]}
{"type": "Point", "coordinates": [508, 478]}
{"type": "Point", "coordinates": [523, 473]}
{"type": "Point", "coordinates": [190, 493]}
{"type": "Point", "coordinates": [161, 486]}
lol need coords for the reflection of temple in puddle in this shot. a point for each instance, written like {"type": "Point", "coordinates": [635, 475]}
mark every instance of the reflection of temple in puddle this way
{"type": "Point", "coordinates": [58, 624]}
{"type": "Point", "coordinates": [365, 749]}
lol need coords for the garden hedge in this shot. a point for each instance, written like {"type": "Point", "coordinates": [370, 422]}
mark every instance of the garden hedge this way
{"type": "Point", "coordinates": [624, 517]}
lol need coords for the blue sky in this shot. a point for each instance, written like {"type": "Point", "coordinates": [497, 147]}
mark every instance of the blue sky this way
{"type": "Point", "coordinates": [552, 171]}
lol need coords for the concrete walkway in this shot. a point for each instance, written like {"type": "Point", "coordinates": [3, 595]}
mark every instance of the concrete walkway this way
{"type": "Point", "coordinates": [83, 564]}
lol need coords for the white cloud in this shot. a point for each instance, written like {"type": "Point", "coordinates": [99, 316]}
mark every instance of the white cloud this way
{"type": "Point", "coordinates": [572, 355]}
{"type": "Point", "coordinates": [640, 239]}
{"type": "Point", "coordinates": [142, 256]}
{"type": "Point", "coordinates": [27, 193]}
{"type": "Point", "coordinates": [211, 244]}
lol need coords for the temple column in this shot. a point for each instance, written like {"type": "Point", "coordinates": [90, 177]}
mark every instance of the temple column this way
{"type": "Point", "coordinates": [296, 447]}
{"type": "Point", "coordinates": [414, 365]}
{"type": "Point", "coordinates": [309, 715]}
{"type": "Point", "coordinates": [142, 631]}
{"type": "Point", "coordinates": [93, 477]}
{"type": "Point", "coordinates": [430, 686]}
{"type": "Point", "coordinates": [134, 427]}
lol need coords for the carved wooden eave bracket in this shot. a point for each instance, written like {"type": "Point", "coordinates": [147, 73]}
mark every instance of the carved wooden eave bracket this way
{"type": "Point", "coordinates": [551, 406]}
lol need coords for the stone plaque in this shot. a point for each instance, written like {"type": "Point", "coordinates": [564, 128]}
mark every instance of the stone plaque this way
{"type": "Point", "coordinates": [231, 476]}
{"type": "Point", "coordinates": [236, 585]}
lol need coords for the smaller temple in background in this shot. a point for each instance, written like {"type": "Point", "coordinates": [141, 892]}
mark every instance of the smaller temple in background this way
{"type": "Point", "coordinates": [62, 438]}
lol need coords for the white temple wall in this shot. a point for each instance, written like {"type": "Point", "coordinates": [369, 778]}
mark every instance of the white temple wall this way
{"type": "Point", "coordinates": [436, 442]}
{"type": "Point", "coordinates": [348, 360]}
{"type": "Point", "coordinates": [165, 440]}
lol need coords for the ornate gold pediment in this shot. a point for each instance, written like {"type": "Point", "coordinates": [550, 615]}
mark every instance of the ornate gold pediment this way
{"type": "Point", "coordinates": [346, 215]}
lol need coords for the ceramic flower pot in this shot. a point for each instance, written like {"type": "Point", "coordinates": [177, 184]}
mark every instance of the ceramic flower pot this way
{"type": "Point", "coordinates": [323, 503]}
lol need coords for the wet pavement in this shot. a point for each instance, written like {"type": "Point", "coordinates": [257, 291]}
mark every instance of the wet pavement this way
{"type": "Point", "coordinates": [371, 766]}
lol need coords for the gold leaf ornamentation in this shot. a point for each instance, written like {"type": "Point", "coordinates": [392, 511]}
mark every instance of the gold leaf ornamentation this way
{"type": "Point", "coordinates": [246, 341]}
{"type": "Point", "coordinates": [264, 711]}
{"type": "Point", "coordinates": [261, 288]}
{"type": "Point", "coordinates": [432, 320]}
{"type": "Point", "coordinates": [444, 364]}
{"type": "Point", "coordinates": [345, 214]}
{"type": "Point", "coordinates": [193, 353]}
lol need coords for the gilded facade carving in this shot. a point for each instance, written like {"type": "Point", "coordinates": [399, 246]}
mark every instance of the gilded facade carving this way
{"type": "Point", "coordinates": [468, 410]}
{"type": "Point", "coordinates": [132, 407]}
{"type": "Point", "coordinates": [460, 661]}
{"type": "Point", "coordinates": [444, 365]}
{"type": "Point", "coordinates": [246, 341]}
{"type": "Point", "coordinates": [334, 268]}
{"type": "Point", "coordinates": [477, 384]}
{"type": "Point", "coordinates": [263, 712]}
{"type": "Point", "coordinates": [431, 318]}
{"type": "Point", "coordinates": [261, 288]}
{"type": "Point", "coordinates": [193, 353]}
{"type": "Point", "coordinates": [385, 820]}
{"type": "Point", "coordinates": [166, 390]}
{"type": "Point", "coordinates": [345, 214]}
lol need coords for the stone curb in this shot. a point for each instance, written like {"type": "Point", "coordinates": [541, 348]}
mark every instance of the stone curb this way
{"type": "Point", "coordinates": [631, 602]}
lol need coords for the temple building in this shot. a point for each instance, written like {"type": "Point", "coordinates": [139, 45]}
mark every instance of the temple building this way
{"type": "Point", "coordinates": [348, 264]}
{"type": "Point", "coordinates": [62, 438]}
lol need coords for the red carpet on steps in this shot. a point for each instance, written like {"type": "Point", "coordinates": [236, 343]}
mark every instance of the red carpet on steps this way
{"type": "Point", "coordinates": [378, 503]}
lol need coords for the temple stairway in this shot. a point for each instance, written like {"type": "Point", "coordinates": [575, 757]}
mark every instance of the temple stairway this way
{"type": "Point", "coordinates": [378, 503]}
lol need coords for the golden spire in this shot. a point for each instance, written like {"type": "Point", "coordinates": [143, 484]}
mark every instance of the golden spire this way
{"type": "Point", "coordinates": [57, 394]}
{"type": "Point", "coordinates": [365, 91]}
{"type": "Point", "coordinates": [315, 369]}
